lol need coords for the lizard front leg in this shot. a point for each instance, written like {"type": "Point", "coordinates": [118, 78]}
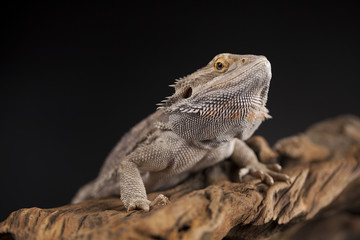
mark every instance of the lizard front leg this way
{"type": "Point", "coordinates": [147, 158]}
{"type": "Point", "coordinates": [245, 158]}
{"type": "Point", "coordinates": [132, 189]}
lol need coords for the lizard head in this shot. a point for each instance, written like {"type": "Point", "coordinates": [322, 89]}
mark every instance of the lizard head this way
{"type": "Point", "coordinates": [222, 100]}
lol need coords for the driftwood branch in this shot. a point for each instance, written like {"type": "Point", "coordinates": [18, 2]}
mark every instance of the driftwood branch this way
{"type": "Point", "coordinates": [323, 163]}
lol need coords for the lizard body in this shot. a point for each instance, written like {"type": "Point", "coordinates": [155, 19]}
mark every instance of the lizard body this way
{"type": "Point", "coordinates": [205, 121]}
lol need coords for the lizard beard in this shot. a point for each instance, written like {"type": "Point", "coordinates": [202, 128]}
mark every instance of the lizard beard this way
{"type": "Point", "coordinates": [219, 121]}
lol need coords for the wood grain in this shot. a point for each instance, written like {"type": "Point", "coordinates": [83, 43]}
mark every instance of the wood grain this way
{"type": "Point", "coordinates": [323, 163]}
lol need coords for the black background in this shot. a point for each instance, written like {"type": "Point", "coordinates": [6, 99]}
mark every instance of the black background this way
{"type": "Point", "coordinates": [74, 78]}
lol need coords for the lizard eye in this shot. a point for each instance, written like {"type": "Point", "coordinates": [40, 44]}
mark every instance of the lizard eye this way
{"type": "Point", "coordinates": [220, 65]}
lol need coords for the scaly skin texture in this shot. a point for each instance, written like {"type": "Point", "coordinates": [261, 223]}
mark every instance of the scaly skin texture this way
{"type": "Point", "coordinates": [205, 121]}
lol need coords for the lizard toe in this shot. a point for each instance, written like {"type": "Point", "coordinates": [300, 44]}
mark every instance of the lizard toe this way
{"type": "Point", "coordinates": [160, 200]}
{"type": "Point", "coordinates": [267, 173]}
{"type": "Point", "coordinates": [268, 180]}
{"type": "Point", "coordinates": [242, 173]}
{"type": "Point", "coordinates": [274, 167]}
{"type": "Point", "coordinates": [143, 204]}
{"type": "Point", "coordinates": [258, 174]}
{"type": "Point", "coordinates": [131, 207]}
{"type": "Point", "coordinates": [280, 177]}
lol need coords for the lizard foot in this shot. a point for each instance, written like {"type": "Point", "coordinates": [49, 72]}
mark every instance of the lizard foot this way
{"type": "Point", "coordinates": [143, 204]}
{"type": "Point", "coordinates": [262, 149]}
{"type": "Point", "coordinates": [160, 200]}
{"type": "Point", "coordinates": [267, 173]}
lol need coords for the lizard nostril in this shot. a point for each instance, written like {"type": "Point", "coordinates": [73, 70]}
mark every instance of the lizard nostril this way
{"type": "Point", "coordinates": [244, 60]}
{"type": "Point", "coordinates": [187, 93]}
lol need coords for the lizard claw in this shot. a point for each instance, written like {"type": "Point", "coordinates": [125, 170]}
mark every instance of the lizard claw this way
{"type": "Point", "coordinates": [243, 172]}
{"type": "Point", "coordinates": [161, 200]}
{"type": "Point", "coordinates": [266, 173]}
{"type": "Point", "coordinates": [143, 204]}
{"type": "Point", "coordinates": [274, 167]}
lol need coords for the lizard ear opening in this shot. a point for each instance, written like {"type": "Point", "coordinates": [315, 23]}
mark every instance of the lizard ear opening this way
{"type": "Point", "coordinates": [187, 93]}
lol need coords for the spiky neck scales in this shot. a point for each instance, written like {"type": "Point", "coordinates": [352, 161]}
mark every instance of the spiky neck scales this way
{"type": "Point", "coordinates": [223, 100]}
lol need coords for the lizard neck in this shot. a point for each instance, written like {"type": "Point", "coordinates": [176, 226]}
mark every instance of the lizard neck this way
{"type": "Point", "coordinates": [210, 133]}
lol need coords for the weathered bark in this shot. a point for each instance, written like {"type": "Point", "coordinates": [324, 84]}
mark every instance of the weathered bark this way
{"type": "Point", "coordinates": [323, 163]}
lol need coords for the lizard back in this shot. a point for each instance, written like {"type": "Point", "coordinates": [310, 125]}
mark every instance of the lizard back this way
{"type": "Point", "coordinates": [133, 138]}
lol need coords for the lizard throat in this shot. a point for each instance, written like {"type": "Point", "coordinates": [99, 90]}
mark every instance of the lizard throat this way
{"type": "Point", "coordinates": [249, 108]}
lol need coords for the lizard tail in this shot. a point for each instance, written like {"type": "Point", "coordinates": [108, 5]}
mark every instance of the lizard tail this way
{"type": "Point", "coordinates": [84, 193]}
{"type": "Point", "coordinates": [104, 186]}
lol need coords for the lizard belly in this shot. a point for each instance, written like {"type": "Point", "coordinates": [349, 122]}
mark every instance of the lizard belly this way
{"type": "Point", "coordinates": [155, 181]}
{"type": "Point", "coordinates": [178, 172]}
{"type": "Point", "coordinates": [216, 155]}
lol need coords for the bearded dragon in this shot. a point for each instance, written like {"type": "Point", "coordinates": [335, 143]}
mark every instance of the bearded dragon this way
{"type": "Point", "coordinates": [208, 118]}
